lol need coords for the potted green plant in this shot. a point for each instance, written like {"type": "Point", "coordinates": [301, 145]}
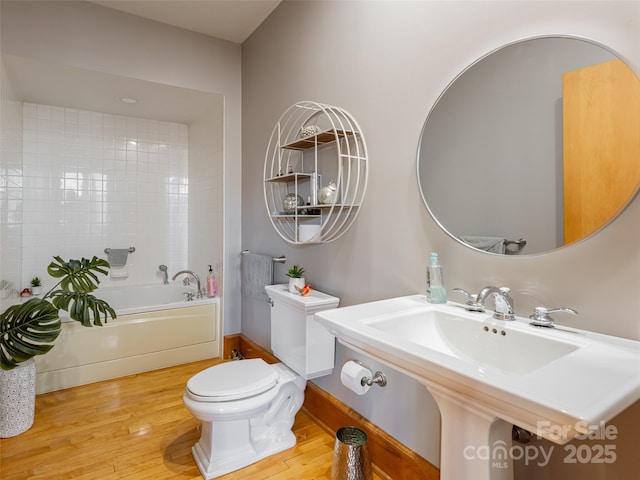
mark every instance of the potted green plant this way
{"type": "Point", "coordinates": [31, 328]}
{"type": "Point", "coordinates": [36, 286]}
{"type": "Point", "coordinates": [296, 278]}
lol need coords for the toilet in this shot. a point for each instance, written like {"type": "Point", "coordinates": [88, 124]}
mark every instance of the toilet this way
{"type": "Point", "coordinates": [247, 408]}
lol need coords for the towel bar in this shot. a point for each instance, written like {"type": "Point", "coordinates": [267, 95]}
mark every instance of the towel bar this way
{"type": "Point", "coordinates": [131, 250]}
{"type": "Point", "coordinates": [280, 259]}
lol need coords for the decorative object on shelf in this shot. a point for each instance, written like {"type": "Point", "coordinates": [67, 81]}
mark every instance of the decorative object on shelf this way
{"type": "Point", "coordinates": [327, 195]}
{"type": "Point", "coordinates": [309, 232]}
{"type": "Point", "coordinates": [290, 202]}
{"type": "Point", "coordinates": [309, 130]}
{"type": "Point", "coordinates": [319, 140]}
{"type": "Point", "coordinates": [30, 328]}
{"type": "Point", "coordinates": [296, 278]}
{"type": "Point", "coordinates": [36, 286]}
{"type": "Point", "coordinates": [313, 188]}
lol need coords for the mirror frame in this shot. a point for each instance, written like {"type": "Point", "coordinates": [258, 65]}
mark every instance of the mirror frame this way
{"type": "Point", "coordinates": [446, 89]}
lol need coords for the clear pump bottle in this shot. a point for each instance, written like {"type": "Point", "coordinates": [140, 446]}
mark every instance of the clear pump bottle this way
{"type": "Point", "coordinates": [436, 292]}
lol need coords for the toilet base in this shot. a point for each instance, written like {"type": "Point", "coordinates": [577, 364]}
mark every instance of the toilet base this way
{"type": "Point", "coordinates": [229, 445]}
{"type": "Point", "coordinates": [243, 458]}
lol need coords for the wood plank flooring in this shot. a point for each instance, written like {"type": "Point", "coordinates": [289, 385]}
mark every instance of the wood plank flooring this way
{"type": "Point", "coordinates": [137, 427]}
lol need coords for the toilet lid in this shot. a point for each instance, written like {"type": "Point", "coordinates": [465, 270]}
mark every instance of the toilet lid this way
{"type": "Point", "coordinates": [232, 380]}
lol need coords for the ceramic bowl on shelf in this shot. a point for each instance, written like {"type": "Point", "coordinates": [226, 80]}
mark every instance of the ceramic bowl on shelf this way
{"type": "Point", "coordinates": [290, 202]}
{"type": "Point", "coordinates": [309, 131]}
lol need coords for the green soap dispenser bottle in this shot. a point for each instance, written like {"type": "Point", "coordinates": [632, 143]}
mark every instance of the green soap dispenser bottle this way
{"type": "Point", "coordinates": [436, 293]}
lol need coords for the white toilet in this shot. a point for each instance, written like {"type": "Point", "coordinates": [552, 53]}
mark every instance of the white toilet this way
{"type": "Point", "coordinates": [248, 407]}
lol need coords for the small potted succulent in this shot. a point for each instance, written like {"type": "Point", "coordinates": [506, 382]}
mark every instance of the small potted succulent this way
{"type": "Point", "coordinates": [296, 278]}
{"type": "Point", "coordinates": [36, 286]}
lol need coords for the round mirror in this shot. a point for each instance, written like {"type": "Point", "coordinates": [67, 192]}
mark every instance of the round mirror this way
{"type": "Point", "coordinates": [533, 147]}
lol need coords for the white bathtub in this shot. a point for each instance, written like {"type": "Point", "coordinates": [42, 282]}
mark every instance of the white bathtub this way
{"type": "Point", "coordinates": [156, 327]}
{"type": "Point", "coordinates": [132, 299]}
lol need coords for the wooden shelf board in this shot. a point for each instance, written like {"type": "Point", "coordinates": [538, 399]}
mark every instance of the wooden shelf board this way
{"type": "Point", "coordinates": [320, 139]}
{"type": "Point", "coordinates": [289, 177]}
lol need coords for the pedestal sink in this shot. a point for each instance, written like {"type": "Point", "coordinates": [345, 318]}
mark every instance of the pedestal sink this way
{"type": "Point", "coordinates": [488, 374]}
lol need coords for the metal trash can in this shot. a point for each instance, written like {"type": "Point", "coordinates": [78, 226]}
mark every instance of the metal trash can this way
{"type": "Point", "coordinates": [351, 459]}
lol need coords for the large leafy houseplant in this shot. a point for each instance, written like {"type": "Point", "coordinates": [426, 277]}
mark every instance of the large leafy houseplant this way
{"type": "Point", "coordinates": [31, 328]}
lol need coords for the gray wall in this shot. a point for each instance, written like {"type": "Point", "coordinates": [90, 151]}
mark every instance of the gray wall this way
{"type": "Point", "coordinates": [386, 63]}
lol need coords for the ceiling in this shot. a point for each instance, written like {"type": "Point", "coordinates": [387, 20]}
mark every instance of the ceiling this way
{"type": "Point", "coordinates": [62, 85]}
{"type": "Point", "coordinates": [232, 20]}
{"type": "Point", "coordinates": [41, 82]}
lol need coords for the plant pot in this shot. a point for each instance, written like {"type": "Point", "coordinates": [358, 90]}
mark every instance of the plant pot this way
{"type": "Point", "coordinates": [17, 399]}
{"type": "Point", "coordinates": [296, 282]}
{"type": "Point", "coordinates": [36, 290]}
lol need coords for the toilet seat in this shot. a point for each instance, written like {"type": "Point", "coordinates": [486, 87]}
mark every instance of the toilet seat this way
{"type": "Point", "coordinates": [233, 380]}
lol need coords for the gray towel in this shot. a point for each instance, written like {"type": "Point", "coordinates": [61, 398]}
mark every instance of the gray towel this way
{"type": "Point", "coordinates": [256, 272]}
{"type": "Point", "coordinates": [117, 257]}
{"type": "Point", "coordinates": [488, 244]}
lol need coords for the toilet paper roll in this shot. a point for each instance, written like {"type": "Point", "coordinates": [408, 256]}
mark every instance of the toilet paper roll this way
{"type": "Point", "coordinates": [351, 377]}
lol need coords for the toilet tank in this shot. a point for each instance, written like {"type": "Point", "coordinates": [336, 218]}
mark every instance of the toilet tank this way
{"type": "Point", "coordinates": [297, 339]}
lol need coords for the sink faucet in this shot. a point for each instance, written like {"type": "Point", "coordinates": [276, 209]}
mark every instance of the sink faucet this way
{"type": "Point", "coordinates": [165, 275]}
{"type": "Point", "coordinates": [194, 275]}
{"type": "Point", "coordinates": [472, 304]}
{"type": "Point", "coordinates": [541, 318]}
{"type": "Point", "coordinates": [502, 300]}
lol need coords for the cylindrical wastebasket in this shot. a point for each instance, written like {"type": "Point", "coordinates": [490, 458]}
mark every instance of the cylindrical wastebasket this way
{"type": "Point", "coordinates": [351, 456]}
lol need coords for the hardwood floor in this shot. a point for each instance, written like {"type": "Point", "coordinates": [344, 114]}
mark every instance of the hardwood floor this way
{"type": "Point", "coordinates": [137, 427]}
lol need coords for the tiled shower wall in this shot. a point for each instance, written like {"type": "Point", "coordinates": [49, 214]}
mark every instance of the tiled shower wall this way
{"type": "Point", "coordinates": [94, 181]}
{"type": "Point", "coordinates": [10, 190]}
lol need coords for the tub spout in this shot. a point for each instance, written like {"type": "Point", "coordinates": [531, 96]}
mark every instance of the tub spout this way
{"type": "Point", "coordinates": [194, 275]}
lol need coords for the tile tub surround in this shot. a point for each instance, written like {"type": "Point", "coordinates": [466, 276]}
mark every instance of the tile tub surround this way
{"type": "Point", "coordinates": [93, 180]}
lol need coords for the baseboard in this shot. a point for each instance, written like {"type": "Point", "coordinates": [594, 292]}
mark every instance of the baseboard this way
{"type": "Point", "coordinates": [391, 458]}
{"type": "Point", "coordinates": [229, 344]}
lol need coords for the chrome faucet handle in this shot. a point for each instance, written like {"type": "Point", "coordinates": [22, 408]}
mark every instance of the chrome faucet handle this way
{"type": "Point", "coordinates": [189, 295]}
{"type": "Point", "coordinates": [472, 304]}
{"type": "Point", "coordinates": [541, 318]}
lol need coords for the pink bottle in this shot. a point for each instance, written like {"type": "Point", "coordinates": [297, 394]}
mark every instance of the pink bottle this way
{"type": "Point", "coordinates": [212, 288]}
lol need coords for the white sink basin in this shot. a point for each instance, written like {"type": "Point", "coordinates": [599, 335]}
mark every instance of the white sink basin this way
{"type": "Point", "coordinates": [554, 382]}
{"type": "Point", "coordinates": [489, 345]}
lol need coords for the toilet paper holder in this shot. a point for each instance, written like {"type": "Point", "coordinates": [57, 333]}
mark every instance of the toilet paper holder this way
{"type": "Point", "coordinates": [379, 378]}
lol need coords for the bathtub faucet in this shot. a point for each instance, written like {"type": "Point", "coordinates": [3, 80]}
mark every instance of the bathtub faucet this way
{"type": "Point", "coordinates": [165, 275]}
{"type": "Point", "coordinates": [194, 275]}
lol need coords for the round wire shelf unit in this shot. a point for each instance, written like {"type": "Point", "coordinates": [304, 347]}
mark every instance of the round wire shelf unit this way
{"type": "Point", "coordinates": [314, 147]}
